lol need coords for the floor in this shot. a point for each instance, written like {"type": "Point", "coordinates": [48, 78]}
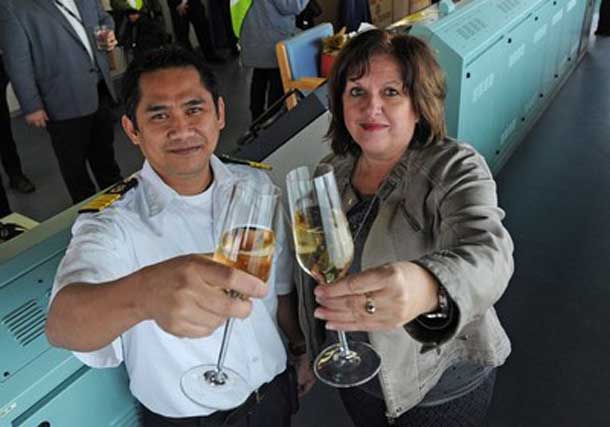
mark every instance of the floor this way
{"type": "Point", "coordinates": [556, 193]}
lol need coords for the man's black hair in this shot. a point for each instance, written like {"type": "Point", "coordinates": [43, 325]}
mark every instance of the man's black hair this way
{"type": "Point", "coordinates": [170, 56]}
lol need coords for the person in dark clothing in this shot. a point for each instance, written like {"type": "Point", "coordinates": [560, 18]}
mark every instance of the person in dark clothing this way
{"type": "Point", "coordinates": [353, 13]}
{"type": "Point", "coordinates": [603, 25]}
{"type": "Point", "coordinates": [141, 34]}
{"type": "Point", "coordinates": [127, 13]}
{"type": "Point", "coordinates": [222, 29]}
{"type": "Point", "coordinates": [186, 12]}
{"type": "Point", "coordinates": [8, 149]}
{"type": "Point", "coordinates": [150, 8]}
{"type": "Point", "coordinates": [306, 19]}
{"type": "Point", "coordinates": [5, 208]}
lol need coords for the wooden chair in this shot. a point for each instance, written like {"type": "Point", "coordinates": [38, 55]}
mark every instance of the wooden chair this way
{"type": "Point", "coordinates": [299, 60]}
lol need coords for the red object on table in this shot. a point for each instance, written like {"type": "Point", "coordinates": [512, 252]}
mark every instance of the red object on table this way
{"type": "Point", "coordinates": [326, 63]}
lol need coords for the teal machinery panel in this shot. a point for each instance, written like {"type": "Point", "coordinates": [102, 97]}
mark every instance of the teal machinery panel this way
{"type": "Point", "coordinates": [41, 385]}
{"type": "Point", "coordinates": [504, 60]}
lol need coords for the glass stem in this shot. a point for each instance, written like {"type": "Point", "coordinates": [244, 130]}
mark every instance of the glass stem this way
{"type": "Point", "coordinates": [343, 342]}
{"type": "Point", "coordinates": [225, 344]}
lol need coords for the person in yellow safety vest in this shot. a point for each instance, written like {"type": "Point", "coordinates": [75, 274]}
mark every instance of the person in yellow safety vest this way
{"type": "Point", "coordinates": [124, 5]}
{"type": "Point", "coordinates": [265, 24]}
{"type": "Point", "coordinates": [239, 9]}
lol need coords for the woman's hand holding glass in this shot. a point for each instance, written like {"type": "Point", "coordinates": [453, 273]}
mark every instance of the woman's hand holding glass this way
{"type": "Point", "coordinates": [401, 292]}
{"type": "Point", "coordinates": [325, 249]}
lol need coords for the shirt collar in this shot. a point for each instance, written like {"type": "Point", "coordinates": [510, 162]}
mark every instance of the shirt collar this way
{"type": "Point", "coordinates": [158, 195]}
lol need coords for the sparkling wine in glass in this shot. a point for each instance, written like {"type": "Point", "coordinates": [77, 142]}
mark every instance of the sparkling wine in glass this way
{"type": "Point", "coordinates": [325, 249]}
{"type": "Point", "coordinates": [247, 242]}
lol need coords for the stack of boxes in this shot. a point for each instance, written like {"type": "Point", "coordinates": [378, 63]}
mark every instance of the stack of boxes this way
{"type": "Point", "coordinates": [383, 12]}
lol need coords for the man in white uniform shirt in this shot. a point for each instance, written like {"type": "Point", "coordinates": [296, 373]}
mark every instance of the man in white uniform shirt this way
{"type": "Point", "coordinates": [133, 287]}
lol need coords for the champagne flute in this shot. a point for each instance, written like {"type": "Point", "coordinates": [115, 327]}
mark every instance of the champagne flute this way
{"type": "Point", "coordinates": [247, 242]}
{"type": "Point", "coordinates": [325, 249]}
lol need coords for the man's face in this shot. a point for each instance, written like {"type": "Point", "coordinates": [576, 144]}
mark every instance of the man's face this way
{"type": "Point", "coordinates": [178, 127]}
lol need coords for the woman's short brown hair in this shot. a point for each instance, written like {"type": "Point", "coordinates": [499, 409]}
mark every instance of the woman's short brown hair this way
{"type": "Point", "coordinates": [423, 80]}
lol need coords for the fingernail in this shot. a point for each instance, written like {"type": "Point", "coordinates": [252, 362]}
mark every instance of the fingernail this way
{"type": "Point", "coordinates": [330, 326]}
{"type": "Point", "coordinates": [317, 314]}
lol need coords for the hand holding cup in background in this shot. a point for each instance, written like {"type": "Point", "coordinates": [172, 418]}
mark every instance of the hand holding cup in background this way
{"type": "Point", "coordinates": [104, 37]}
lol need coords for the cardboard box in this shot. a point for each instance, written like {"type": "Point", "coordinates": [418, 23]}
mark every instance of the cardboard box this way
{"type": "Point", "coordinates": [400, 9]}
{"type": "Point", "coordinates": [381, 12]}
{"type": "Point", "coordinates": [416, 5]}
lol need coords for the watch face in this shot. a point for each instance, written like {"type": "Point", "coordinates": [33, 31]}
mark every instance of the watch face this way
{"type": "Point", "coordinates": [443, 300]}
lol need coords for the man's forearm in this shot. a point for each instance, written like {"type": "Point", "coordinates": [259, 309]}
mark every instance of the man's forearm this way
{"type": "Point", "coordinates": [85, 317]}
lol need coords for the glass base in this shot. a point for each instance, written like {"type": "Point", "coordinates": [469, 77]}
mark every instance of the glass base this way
{"type": "Point", "coordinates": [207, 387]}
{"type": "Point", "coordinates": [339, 369]}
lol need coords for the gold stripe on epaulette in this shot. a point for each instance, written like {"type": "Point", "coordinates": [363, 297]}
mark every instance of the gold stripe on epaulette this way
{"type": "Point", "coordinates": [110, 196]}
{"type": "Point", "coordinates": [258, 165]}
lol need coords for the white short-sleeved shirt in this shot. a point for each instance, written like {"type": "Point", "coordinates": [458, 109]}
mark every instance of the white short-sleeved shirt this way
{"type": "Point", "coordinates": [153, 223]}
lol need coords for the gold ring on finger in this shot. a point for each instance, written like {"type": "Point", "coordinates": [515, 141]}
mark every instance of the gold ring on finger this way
{"type": "Point", "coordinates": [233, 294]}
{"type": "Point", "coordinates": [369, 305]}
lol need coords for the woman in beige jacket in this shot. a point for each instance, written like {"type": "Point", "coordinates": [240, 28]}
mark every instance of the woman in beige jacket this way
{"type": "Point", "coordinates": [431, 254]}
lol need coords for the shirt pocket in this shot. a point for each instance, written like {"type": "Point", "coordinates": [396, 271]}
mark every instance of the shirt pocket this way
{"type": "Point", "coordinates": [410, 232]}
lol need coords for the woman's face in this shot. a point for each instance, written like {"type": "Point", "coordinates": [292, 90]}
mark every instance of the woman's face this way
{"type": "Point", "coordinates": [378, 112]}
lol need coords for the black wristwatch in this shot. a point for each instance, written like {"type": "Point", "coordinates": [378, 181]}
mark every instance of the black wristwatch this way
{"type": "Point", "coordinates": [443, 305]}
